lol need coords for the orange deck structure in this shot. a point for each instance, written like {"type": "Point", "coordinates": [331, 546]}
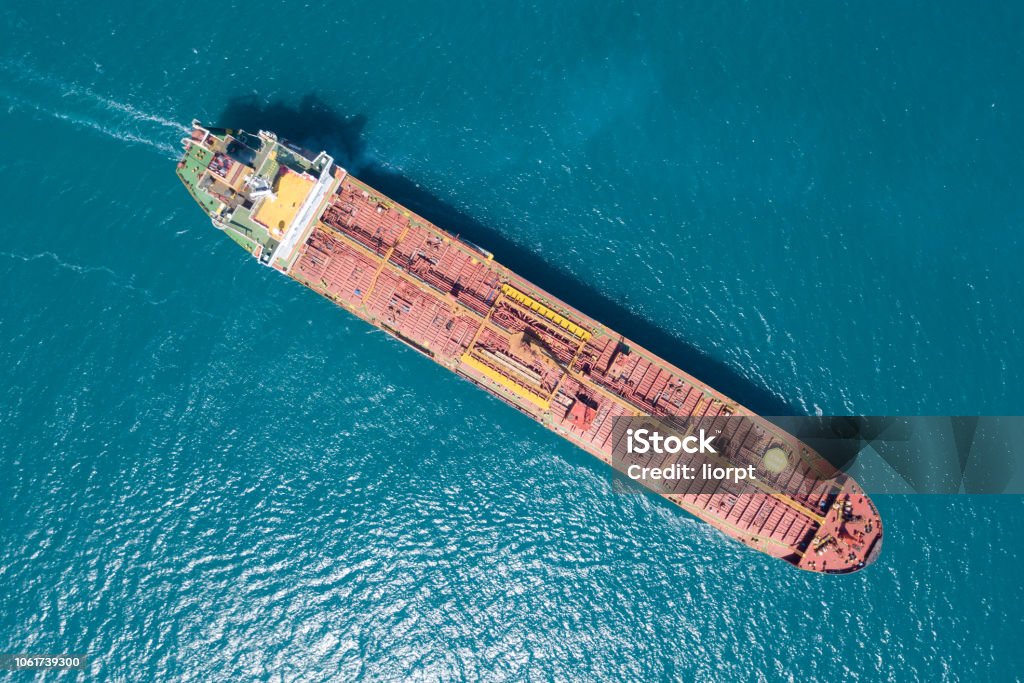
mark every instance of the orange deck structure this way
{"type": "Point", "coordinates": [453, 302]}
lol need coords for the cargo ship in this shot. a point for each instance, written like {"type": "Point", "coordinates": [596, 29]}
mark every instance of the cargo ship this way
{"type": "Point", "coordinates": [303, 215]}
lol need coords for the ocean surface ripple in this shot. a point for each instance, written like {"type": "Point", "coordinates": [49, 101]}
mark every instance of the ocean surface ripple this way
{"type": "Point", "coordinates": [211, 474]}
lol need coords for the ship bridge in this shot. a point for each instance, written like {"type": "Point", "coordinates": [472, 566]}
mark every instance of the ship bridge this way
{"type": "Point", "coordinates": [264, 193]}
{"type": "Point", "coordinates": [306, 213]}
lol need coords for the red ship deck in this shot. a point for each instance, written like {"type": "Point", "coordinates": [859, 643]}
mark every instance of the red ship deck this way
{"type": "Point", "coordinates": [452, 302]}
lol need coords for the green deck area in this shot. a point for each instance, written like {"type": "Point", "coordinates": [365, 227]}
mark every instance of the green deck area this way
{"type": "Point", "coordinates": [243, 242]}
{"type": "Point", "coordinates": [234, 213]}
{"type": "Point", "coordinates": [242, 229]}
{"type": "Point", "coordinates": [242, 221]}
{"type": "Point", "coordinates": [196, 160]}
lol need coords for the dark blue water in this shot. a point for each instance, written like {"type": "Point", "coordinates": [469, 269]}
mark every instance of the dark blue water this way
{"type": "Point", "coordinates": [211, 474]}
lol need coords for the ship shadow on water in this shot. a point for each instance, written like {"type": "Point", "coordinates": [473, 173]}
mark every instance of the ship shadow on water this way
{"type": "Point", "coordinates": [315, 125]}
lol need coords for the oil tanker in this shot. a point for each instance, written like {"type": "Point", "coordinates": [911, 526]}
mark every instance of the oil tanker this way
{"type": "Point", "coordinates": [449, 299]}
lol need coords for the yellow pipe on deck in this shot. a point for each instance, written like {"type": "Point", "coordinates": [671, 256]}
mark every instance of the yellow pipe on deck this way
{"type": "Point", "coordinates": [492, 374]}
{"type": "Point", "coordinates": [563, 322]}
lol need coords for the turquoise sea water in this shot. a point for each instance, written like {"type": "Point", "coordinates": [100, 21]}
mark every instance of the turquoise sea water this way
{"type": "Point", "coordinates": [212, 474]}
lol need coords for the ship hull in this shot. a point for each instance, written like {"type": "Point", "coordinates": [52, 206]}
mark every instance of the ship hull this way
{"type": "Point", "coordinates": [451, 301]}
